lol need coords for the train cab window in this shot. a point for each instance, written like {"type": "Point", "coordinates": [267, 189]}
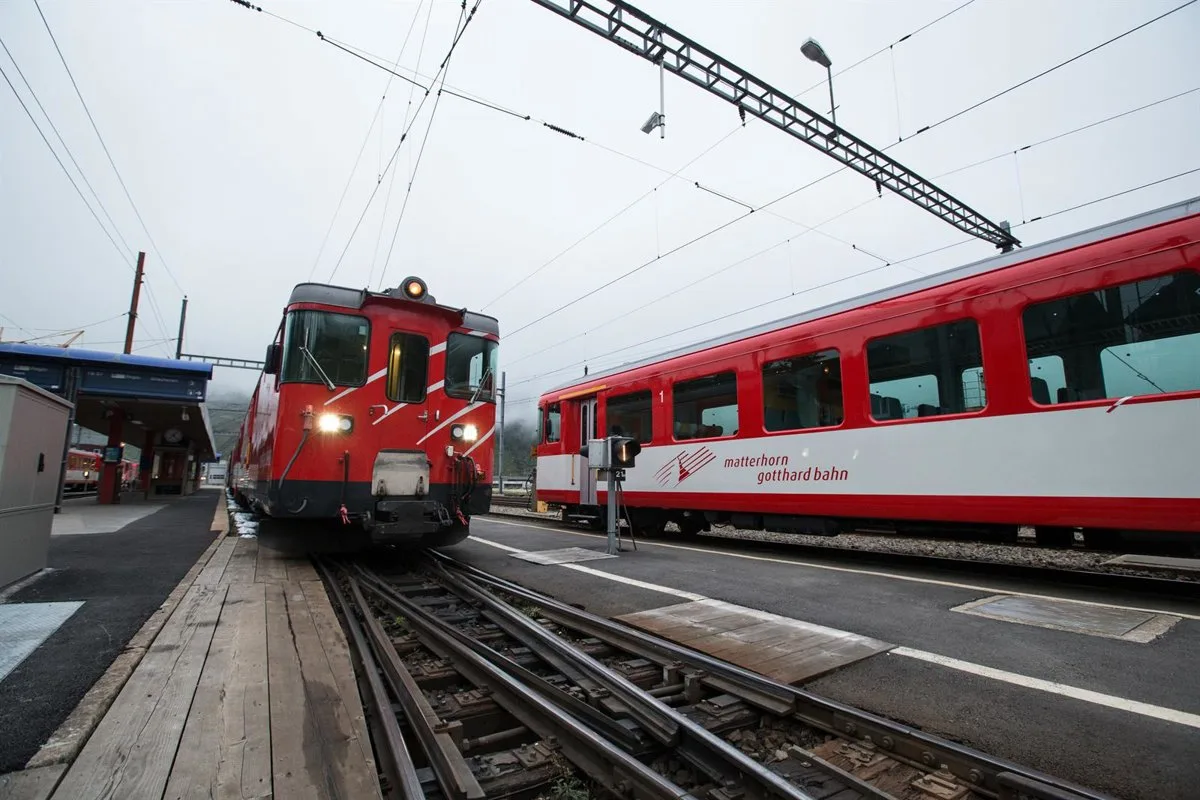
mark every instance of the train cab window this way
{"type": "Point", "coordinates": [471, 367]}
{"type": "Point", "coordinates": [802, 392]}
{"type": "Point", "coordinates": [630, 415]}
{"type": "Point", "coordinates": [320, 345]}
{"type": "Point", "coordinates": [928, 372]}
{"type": "Point", "coordinates": [552, 424]}
{"type": "Point", "coordinates": [706, 407]}
{"type": "Point", "coordinates": [1138, 338]}
{"type": "Point", "coordinates": [408, 368]}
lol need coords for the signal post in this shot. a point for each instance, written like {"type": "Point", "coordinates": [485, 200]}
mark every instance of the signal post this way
{"type": "Point", "coordinates": [610, 457]}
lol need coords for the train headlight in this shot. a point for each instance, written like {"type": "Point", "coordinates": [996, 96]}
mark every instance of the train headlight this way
{"type": "Point", "coordinates": [414, 288]}
{"type": "Point", "coordinates": [334, 423]}
{"type": "Point", "coordinates": [86, 473]}
{"type": "Point", "coordinates": [464, 433]}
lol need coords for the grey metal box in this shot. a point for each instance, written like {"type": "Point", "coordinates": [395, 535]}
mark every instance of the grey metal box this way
{"type": "Point", "coordinates": [33, 435]}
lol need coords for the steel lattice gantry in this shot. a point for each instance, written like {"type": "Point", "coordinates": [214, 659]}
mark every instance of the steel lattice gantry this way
{"type": "Point", "coordinates": [639, 33]}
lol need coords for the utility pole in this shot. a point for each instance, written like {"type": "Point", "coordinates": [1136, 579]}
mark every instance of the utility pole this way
{"type": "Point", "coordinates": [500, 432]}
{"type": "Point", "coordinates": [133, 303]}
{"type": "Point", "coordinates": [182, 320]}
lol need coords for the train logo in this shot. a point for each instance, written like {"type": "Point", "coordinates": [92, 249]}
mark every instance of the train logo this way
{"type": "Point", "coordinates": [684, 466]}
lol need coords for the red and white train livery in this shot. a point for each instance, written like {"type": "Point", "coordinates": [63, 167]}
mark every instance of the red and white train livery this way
{"type": "Point", "coordinates": [375, 411]}
{"type": "Point", "coordinates": [1057, 386]}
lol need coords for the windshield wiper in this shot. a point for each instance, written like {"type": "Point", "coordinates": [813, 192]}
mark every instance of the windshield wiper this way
{"type": "Point", "coordinates": [317, 366]}
{"type": "Point", "coordinates": [482, 383]}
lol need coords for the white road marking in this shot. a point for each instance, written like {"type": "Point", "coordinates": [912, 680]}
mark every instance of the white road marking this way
{"type": "Point", "coordinates": [1065, 690]}
{"type": "Point", "coordinates": [975, 587]}
{"type": "Point", "coordinates": [654, 587]}
{"type": "Point", "coordinates": [1120, 703]}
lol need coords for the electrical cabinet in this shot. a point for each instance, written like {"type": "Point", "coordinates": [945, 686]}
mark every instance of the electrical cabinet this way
{"type": "Point", "coordinates": [33, 439]}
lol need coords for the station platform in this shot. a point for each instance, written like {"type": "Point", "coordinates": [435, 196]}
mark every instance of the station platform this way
{"type": "Point", "coordinates": [239, 684]}
{"type": "Point", "coordinates": [1074, 682]}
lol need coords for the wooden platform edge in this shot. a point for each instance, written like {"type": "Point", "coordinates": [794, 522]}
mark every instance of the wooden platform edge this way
{"type": "Point", "coordinates": [65, 744]}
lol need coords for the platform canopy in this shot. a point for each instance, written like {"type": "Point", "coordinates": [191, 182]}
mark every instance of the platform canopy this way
{"type": "Point", "coordinates": [160, 396]}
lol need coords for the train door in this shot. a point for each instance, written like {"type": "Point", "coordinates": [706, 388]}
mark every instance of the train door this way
{"type": "Point", "coordinates": [587, 431]}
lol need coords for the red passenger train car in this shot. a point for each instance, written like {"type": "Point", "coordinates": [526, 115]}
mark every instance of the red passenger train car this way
{"type": "Point", "coordinates": [375, 411]}
{"type": "Point", "coordinates": [1056, 386]}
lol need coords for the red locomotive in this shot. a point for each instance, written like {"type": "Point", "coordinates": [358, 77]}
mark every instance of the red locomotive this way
{"type": "Point", "coordinates": [375, 411]}
{"type": "Point", "coordinates": [1057, 386]}
{"type": "Point", "coordinates": [83, 470]}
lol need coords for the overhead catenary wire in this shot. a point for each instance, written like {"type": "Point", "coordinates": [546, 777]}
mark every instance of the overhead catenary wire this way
{"type": "Point", "coordinates": [445, 69]}
{"type": "Point", "coordinates": [403, 137]}
{"type": "Point", "coordinates": [831, 173]}
{"type": "Point", "coordinates": [366, 138]}
{"type": "Point", "coordinates": [104, 146]}
{"type": "Point", "coordinates": [698, 281]}
{"type": "Point", "coordinates": [124, 257]}
{"type": "Point", "coordinates": [761, 305]}
{"type": "Point", "coordinates": [65, 147]}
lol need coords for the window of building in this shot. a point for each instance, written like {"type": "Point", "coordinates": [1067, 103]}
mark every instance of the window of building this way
{"type": "Point", "coordinates": [1138, 338]}
{"type": "Point", "coordinates": [629, 415]}
{"type": "Point", "coordinates": [408, 368]}
{"type": "Point", "coordinates": [320, 345]}
{"type": "Point", "coordinates": [471, 367]}
{"type": "Point", "coordinates": [802, 392]}
{"type": "Point", "coordinates": [706, 407]}
{"type": "Point", "coordinates": [927, 372]}
{"type": "Point", "coordinates": [552, 424]}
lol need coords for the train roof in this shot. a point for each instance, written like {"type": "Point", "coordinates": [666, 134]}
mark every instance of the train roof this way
{"type": "Point", "coordinates": [1108, 230]}
{"type": "Point", "coordinates": [355, 298]}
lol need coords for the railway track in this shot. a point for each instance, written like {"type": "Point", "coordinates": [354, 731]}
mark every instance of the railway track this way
{"type": "Point", "coordinates": [481, 688]}
{"type": "Point", "coordinates": [510, 500]}
{"type": "Point", "coordinates": [1134, 584]}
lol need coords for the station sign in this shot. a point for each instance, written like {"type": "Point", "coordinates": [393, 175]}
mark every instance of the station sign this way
{"type": "Point", "coordinates": [123, 382]}
{"type": "Point", "coordinates": [112, 454]}
{"type": "Point", "coordinates": [50, 377]}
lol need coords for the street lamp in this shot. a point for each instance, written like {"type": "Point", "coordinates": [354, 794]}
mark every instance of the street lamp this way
{"type": "Point", "coordinates": [813, 51]}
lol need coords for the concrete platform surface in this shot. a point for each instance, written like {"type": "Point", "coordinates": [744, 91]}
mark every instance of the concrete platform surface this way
{"type": "Point", "coordinates": [1120, 715]}
{"type": "Point", "coordinates": [84, 515]}
{"type": "Point", "coordinates": [1168, 563]}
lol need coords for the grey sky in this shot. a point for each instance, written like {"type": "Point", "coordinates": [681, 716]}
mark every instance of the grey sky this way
{"type": "Point", "coordinates": [235, 133]}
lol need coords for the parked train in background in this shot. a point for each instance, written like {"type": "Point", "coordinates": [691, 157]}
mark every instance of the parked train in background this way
{"type": "Point", "coordinates": [375, 412]}
{"type": "Point", "coordinates": [83, 470]}
{"type": "Point", "coordinates": [1056, 386]}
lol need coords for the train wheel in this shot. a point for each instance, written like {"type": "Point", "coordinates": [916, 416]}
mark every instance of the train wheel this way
{"type": "Point", "coordinates": [1054, 536]}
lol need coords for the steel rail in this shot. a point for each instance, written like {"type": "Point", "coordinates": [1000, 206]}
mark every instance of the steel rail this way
{"type": "Point", "coordinates": [990, 774]}
{"type": "Point", "coordinates": [454, 776]}
{"type": "Point", "coordinates": [610, 728]}
{"type": "Point", "coordinates": [409, 782]}
{"type": "Point", "coordinates": [667, 725]}
{"type": "Point", "coordinates": [602, 760]}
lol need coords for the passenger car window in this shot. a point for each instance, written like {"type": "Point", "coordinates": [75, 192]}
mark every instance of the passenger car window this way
{"type": "Point", "coordinates": [551, 424]}
{"type": "Point", "coordinates": [706, 407]}
{"type": "Point", "coordinates": [802, 392]}
{"type": "Point", "coordinates": [921, 373]}
{"type": "Point", "coordinates": [630, 415]}
{"type": "Point", "coordinates": [1139, 338]}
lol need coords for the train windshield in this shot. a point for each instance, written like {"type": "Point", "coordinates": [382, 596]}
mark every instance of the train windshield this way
{"type": "Point", "coordinates": [471, 367]}
{"type": "Point", "coordinates": [321, 347]}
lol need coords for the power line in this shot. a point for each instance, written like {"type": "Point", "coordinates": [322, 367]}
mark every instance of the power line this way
{"type": "Point", "coordinates": [112, 163]}
{"type": "Point", "coordinates": [779, 199]}
{"type": "Point", "coordinates": [445, 69]}
{"type": "Point", "coordinates": [387, 200]}
{"type": "Point", "coordinates": [1064, 134]}
{"type": "Point", "coordinates": [63, 142]}
{"type": "Point", "coordinates": [1058, 66]}
{"type": "Point", "coordinates": [366, 138]}
{"type": "Point", "coordinates": [764, 304]}
{"type": "Point", "coordinates": [117, 247]}
{"type": "Point", "coordinates": [699, 281]}
{"type": "Point", "coordinates": [403, 136]}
